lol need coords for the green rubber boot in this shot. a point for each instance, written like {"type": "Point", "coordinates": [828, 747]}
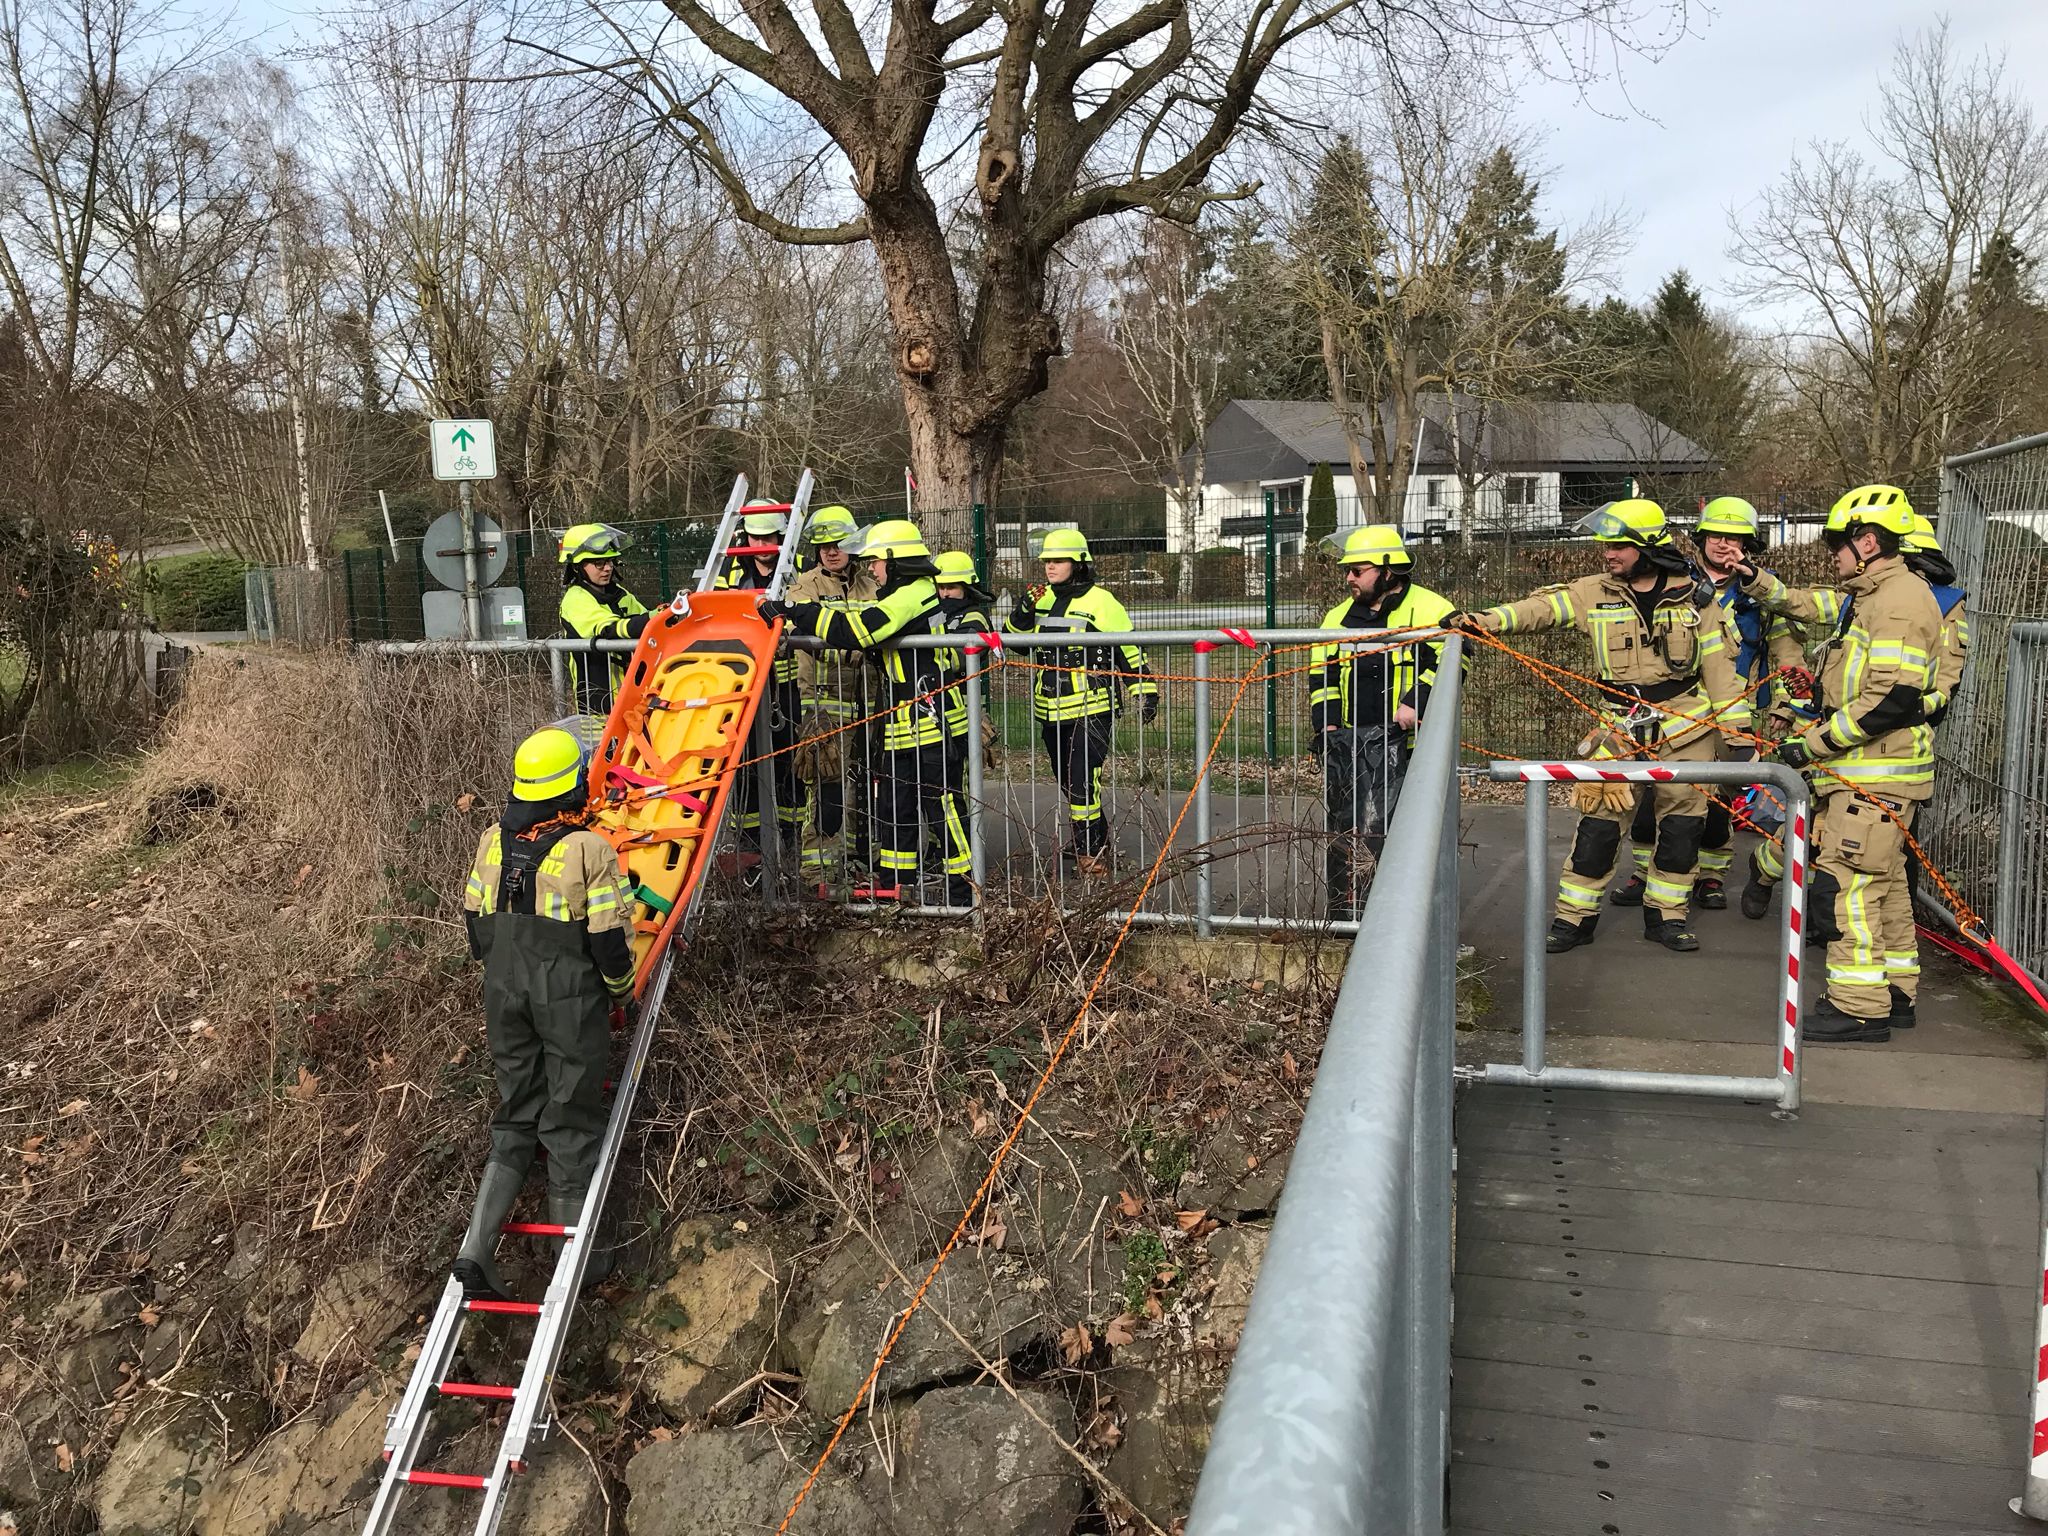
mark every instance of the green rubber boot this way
{"type": "Point", "coordinates": [475, 1262]}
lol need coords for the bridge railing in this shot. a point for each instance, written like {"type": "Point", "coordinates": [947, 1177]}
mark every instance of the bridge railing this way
{"type": "Point", "coordinates": [1335, 1420]}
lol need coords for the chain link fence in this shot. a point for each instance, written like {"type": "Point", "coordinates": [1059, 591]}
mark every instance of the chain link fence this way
{"type": "Point", "coordinates": [1987, 828]}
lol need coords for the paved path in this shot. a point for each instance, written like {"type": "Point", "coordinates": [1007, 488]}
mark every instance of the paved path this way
{"type": "Point", "coordinates": [1680, 1317]}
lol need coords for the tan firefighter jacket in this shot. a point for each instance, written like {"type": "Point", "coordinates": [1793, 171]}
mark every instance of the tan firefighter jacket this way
{"type": "Point", "coordinates": [1873, 675]}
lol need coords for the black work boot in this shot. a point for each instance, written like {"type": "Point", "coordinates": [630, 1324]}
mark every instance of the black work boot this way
{"type": "Point", "coordinates": [1671, 932]}
{"type": "Point", "coordinates": [959, 891]}
{"type": "Point", "coordinates": [1756, 896]}
{"type": "Point", "coordinates": [1708, 893]}
{"type": "Point", "coordinates": [563, 1211]}
{"type": "Point", "coordinates": [1826, 1024]}
{"type": "Point", "coordinates": [1564, 935]}
{"type": "Point", "coordinates": [1629, 894]}
{"type": "Point", "coordinates": [1340, 882]}
{"type": "Point", "coordinates": [475, 1262]}
{"type": "Point", "coordinates": [1903, 1015]}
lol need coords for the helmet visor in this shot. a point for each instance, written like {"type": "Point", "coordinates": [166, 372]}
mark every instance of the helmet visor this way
{"type": "Point", "coordinates": [1608, 528]}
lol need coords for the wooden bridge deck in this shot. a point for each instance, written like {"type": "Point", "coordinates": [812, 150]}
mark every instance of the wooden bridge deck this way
{"type": "Point", "coordinates": [1680, 1317]}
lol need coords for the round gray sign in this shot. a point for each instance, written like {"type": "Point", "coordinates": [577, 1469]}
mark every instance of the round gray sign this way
{"type": "Point", "coordinates": [442, 550]}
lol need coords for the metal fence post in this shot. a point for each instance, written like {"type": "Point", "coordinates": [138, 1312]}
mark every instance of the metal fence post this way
{"type": "Point", "coordinates": [977, 774]}
{"type": "Point", "coordinates": [1535, 958]}
{"type": "Point", "coordinates": [383, 598]}
{"type": "Point", "coordinates": [981, 544]}
{"type": "Point", "coordinates": [558, 679]}
{"type": "Point", "coordinates": [1272, 622]}
{"type": "Point", "coordinates": [1204, 895]}
{"type": "Point", "coordinates": [2005, 900]}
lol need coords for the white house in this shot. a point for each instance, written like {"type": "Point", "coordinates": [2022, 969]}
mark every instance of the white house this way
{"type": "Point", "coordinates": [1532, 465]}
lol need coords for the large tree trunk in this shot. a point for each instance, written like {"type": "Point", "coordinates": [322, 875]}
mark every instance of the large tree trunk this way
{"type": "Point", "coordinates": [961, 382]}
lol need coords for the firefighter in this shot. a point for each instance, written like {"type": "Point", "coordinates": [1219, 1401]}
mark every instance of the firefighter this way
{"type": "Point", "coordinates": [1760, 642]}
{"type": "Point", "coordinates": [832, 748]}
{"type": "Point", "coordinates": [911, 779]}
{"type": "Point", "coordinates": [1925, 558]}
{"type": "Point", "coordinates": [1877, 750]}
{"type": "Point", "coordinates": [1923, 555]}
{"type": "Point", "coordinates": [763, 526]}
{"type": "Point", "coordinates": [1078, 690]}
{"type": "Point", "coordinates": [596, 607]}
{"type": "Point", "coordinates": [1665, 669]}
{"type": "Point", "coordinates": [966, 608]}
{"type": "Point", "coordinates": [1368, 699]}
{"type": "Point", "coordinates": [550, 915]}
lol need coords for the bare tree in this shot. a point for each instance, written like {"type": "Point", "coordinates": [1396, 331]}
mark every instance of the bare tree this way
{"type": "Point", "coordinates": [1875, 254]}
{"type": "Point", "coordinates": [1073, 113]}
{"type": "Point", "coordinates": [1166, 328]}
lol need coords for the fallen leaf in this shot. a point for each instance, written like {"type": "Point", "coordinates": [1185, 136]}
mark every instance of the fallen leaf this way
{"type": "Point", "coordinates": [149, 1316]}
{"type": "Point", "coordinates": [993, 1231]}
{"type": "Point", "coordinates": [660, 1431]}
{"type": "Point", "coordinates": [1129, 1203]}
{"type": "Point", "coordinates": [65, 1457]}
{"type": "Point", "coordinates": [1076, 1344]}
{"type": "Point", "coordinates": [1187, 1221]}
{"type": "Point", "coordinates": [1205, 1229]}
{"type": "Point", "coordinates": [1153, 1309]}
{"type": "Point", "coordinates": [191, 1167]}
{"type": "Point", "coordinates": [465, 802]}
{"type": "Point", "coordinates": [306, 1088]}
{"type": "Point", "coordinates": [1288, 1069]}
{"type": "Point", "coordinates": [300, 878]}
{"type": "Point", "coordinates": [68, 1110]}
{"type": "Point", "coordinates": [1251, 1162]}
{"type": "Point", "coordinates": [1121, 1330]}
{"type": "Point", "coordinates": [979, 1123]}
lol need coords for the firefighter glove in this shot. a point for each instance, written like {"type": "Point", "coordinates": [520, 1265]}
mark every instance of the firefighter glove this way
{"type": "Point", "coordinates": [1793, 753]}
{"type": "Point", "coordinates": [770, 610]}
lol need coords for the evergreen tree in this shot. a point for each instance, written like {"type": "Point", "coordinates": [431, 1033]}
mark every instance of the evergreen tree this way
{"type": "Point", "coordinates": [1321, 521]}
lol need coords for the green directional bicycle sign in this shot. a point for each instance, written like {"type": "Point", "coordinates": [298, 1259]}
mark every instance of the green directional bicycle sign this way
{"type": "Point", "coordinates": [463, 450]}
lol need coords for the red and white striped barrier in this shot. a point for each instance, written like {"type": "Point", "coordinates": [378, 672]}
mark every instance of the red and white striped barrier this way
{"type": "Point", "coordinates": [1797, 858]}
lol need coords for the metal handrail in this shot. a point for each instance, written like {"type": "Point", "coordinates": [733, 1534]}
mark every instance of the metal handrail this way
{"type": "Point", "coordinates": [1336, 1418]}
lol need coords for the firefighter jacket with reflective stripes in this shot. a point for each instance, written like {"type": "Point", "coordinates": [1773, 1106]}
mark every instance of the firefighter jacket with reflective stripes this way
{"type": "Point", "coordinates": [590, 613]}
{"type": "Point", "coordinates": [966, 614]}
{"type": "Point", "coordinates": [1759, 641]}
{"type": "Point", "coordinates": [833, 681]}
{"type": "Point", "coordinates": [1876, 668]}
{"type": "Point", "coordinates": [1364, 684]}
{"type": "Point", "coordinates": [1654, 646]}
{"type": "Point", "coordinates": [741, 574]}
{"type": "Point", "coordinates": [1955, 648]}
{"type": "Point", "coordinates": [904, 607]}
{"type": "Point", "coordinates": [1076, 681]}
{"type": "Point", "coordinates": [556, 890]}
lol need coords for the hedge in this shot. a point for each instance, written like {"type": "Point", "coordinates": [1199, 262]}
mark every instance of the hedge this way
{"type": "Point", "coordinates": [197, 592]}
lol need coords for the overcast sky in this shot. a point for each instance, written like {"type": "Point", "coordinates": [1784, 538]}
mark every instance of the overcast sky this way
{"type": "Point", "coordinates": [1719, 118]}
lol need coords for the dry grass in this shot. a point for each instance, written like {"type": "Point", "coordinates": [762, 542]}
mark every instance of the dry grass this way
{"type": "Point", "coordinates": [243, 1019]}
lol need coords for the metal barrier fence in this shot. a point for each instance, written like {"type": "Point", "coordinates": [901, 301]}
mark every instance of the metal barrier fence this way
{"type": "Point", "coordinates": [2020, 911]}
{"type": "Point", "coordinates": [1979, 829]}
{"type": "Point", "coordinates": [1782, 1087]}
{"type": "Point", "coordinates": [1336, 1417]}
{"type": "Point", "coordinates": [1266, 842]}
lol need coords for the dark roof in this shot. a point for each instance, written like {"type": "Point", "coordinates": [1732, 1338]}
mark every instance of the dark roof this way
{"type": "Point", "coordinates": [1280, 439]}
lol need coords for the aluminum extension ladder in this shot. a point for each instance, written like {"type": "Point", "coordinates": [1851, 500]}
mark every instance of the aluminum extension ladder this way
{"type": "Point", "coordinates": [406, 1427]}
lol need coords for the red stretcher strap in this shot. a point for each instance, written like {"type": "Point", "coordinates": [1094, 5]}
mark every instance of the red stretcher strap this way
{"type": "Point", "coordinates": [476, 1389]}
{"type": "Point", "coordinates": [538, 1229]}
{"type": "Point", "coordinates": [510, 1308]}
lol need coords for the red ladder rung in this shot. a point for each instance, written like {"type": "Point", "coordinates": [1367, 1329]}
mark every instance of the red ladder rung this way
{"type": "Point", "coordinates": [538, 1229]}
{"type": "Point", "coordinates": [476, 1389]}
{"type": "Point", "coordinates": [446, 1479]}
{"type": "Point", "coordinates": [513, 1308]}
